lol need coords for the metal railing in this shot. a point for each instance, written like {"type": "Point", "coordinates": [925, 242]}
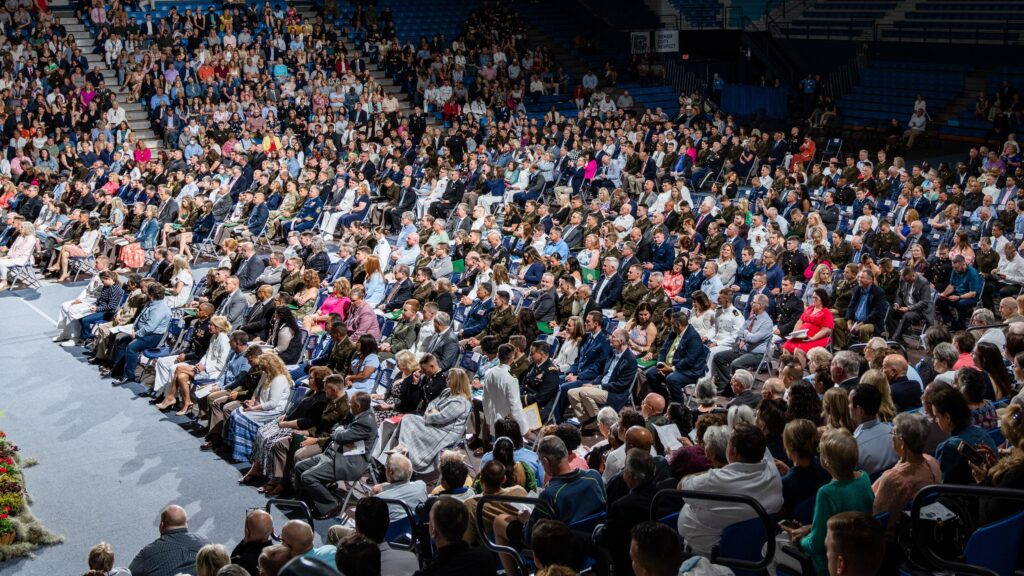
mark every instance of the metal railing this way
{"type": "Point", "coordinates": [1003, 32]}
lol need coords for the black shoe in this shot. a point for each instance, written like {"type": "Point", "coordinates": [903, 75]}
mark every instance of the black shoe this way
{"type": "Point", "coordinates": [330, 513]}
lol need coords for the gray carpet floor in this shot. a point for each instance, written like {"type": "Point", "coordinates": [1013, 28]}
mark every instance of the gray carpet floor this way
{"type": "Point", "coordinates": [108, 460]}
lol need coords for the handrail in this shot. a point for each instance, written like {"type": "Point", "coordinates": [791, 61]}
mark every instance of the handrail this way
{"type": "Point", "coordinates": [481, 529]}
{"type": "Point", "coordinates": [927, 494]}
{"type": "Point", "coordinates": [762, 514]}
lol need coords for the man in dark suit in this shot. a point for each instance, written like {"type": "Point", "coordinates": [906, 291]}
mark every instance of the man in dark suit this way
{"type": "Point", "coordinates": [572, 233]}
{"type": "Point", "coordinates": [167, 213]}
{"type": "Point", "coordinates": [609, 285]}
{"type": "Point", "coordinates": [260, 317]}
{"type": "Point", "coordinates": [613, 387]}
{"type": "Point", "coordinates": [868, 305]}
{"type": "Point", "coordinates": [545, 300]}
{"type": "Point", "coordinates": [401, 290]}
{"type": "Point", "coordinates": [452, 196]}
{"type": "Point", "coordinates": [251, 267]}
{"type": "Point", "coordinates": [906, 393]}
{"type": "Point", "coordinates": [406, 203]}
{"type": "Point", "coordinates": [590, 363]}
{"type": "Point", "coordinates": [460, 220]}
{"type": "Point", "coordinates": [663, 254]}
{"type": "Point", "coordinates": [258, 214]}
{"type": "Point", "coordinates": [913, 303]}
{"type": "Point", "coordinates": [233, 304]}
{"type": "Point", "coordinates": [533, 189]}
{"type": "Point", "coordinates": [682, 360]}
{"type": "Point", "coordinates": [345, 458]}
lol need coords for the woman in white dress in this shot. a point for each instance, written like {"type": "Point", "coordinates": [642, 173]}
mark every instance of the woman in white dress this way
{"type": "Point", "coordinates": [181, 283]}
{"type": "Point", "coordinates": [569, 349]}
{"type": "Point", "coordinates": [702, 316]}
{"type": "Point", "coordinates": [268, 402]}
{"type": "Point", "coordinates": [209, 367]}
{"type": "Point", "coordinates": [20, 253]}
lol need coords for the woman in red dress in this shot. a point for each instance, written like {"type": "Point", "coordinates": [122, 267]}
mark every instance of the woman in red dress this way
{"type": "Point", "coordinates": [817, 320]}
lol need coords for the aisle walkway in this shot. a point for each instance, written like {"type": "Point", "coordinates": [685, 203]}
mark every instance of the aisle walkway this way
{"type": "Point", "coordinates": [108, 460]}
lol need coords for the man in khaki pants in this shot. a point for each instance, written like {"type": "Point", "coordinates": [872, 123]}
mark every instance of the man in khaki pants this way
{"type": "Point", "coordinates": [614, 386]}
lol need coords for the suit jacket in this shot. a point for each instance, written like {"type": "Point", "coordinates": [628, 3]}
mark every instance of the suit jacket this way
{"type": "Point", "coordinates": [445, 347]}
{"type": "Point", "coordinates": [363, 428]}
{"type": "Point", "coordinates": [233, 307]}
{"type": "Point", "coordinates": [572, 235]}
{"type": "Point", "coordinates": [455, 224]}
{"type": "Point", "coordinates": [920, 293]}
{"type": "Point", "coordinates": [258, 218]}
{"type": "Point", "coordinates": [876, 305]}
{"type": "Point", "coordinates": [620, 381]}
{"type": "Point", "coordinates": [545, 306]}
{"type": "Point", "coordinates": [397, 296]}
{"type": "Point", "coordinates": [690, 357]}
{"type": "Point", "coordinates": [609, 288]}
{"type": "Point", "coordinates": [593, 355]}
{"type": "Point", "coordinates": [168, 212]}
{"type": "Point", "coordinates": [258, 320]}
{"type": "Point", "coordinates": [249, 272]}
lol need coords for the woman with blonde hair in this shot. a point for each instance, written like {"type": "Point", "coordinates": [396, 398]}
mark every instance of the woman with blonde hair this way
{"type": "Point", "coordinates": [442, 424]}
{"type": "Point", "coordinates": [210, 559]}
{"type": "Point", "coordinates": [267, 403]}
{"type": "Point", "coordinates": [181, 283]}
{"type": "Point", "coordinates": [20, 253]}
{"type": "Point", "coordinates": [876, 379]}
{"type": "Point", "coordinates": [821, 278]}
{"type": "Point", "coordinates": [835, 410]}
{"type": "Point", "coordinates": [209, 367]}
{"type": "Point", "coordinates": [337, 302]}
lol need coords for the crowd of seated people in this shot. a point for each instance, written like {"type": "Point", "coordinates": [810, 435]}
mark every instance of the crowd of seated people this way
{"type": "Point", "coordinates": [380, 289]}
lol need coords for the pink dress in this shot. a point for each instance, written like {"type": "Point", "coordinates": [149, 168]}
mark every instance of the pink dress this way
{"type": "Point", "coordinates": [813, 322]}
{"type": "Point", "coordinates": [334, 305]}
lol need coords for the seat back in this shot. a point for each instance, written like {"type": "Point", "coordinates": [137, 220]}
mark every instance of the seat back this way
{"type": "Point", "coordinates": [995, 546]}
{"type": "Point", "coordinates": [401, 533]}
{"type": "Point", "coordinates": [743, 541]}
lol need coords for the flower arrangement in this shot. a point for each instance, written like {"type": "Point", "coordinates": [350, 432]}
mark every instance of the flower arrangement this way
{"type": "Point", "coordinates": [20, 532]}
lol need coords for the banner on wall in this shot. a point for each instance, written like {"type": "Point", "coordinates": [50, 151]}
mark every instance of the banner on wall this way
{"type": "Point", "coordinates": [640, 42]}
{"type": "Point", "coordinates": [666, 41]}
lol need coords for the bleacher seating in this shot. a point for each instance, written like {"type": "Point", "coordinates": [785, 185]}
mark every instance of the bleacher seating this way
{"type": "Point", "coordinates": [838, 19]}
{"type": "Point", "coordinates": [887, 90]}
{"type": "Point", "coordinates": [957, 20]}
{"type": "Point", "coordinates": [564, 26]}
{"type": "Point", "coordinates": [700, 13]}
{"type": "Point", "coordinates": [965, 123]}
{"type": "Point", "coordinates": [420, 18]}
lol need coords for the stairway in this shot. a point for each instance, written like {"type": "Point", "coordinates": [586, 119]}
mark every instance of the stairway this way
{"type": "Point", "coordinates": [890, 18]}
{"type": "Point", "coordinates": [138, 120]}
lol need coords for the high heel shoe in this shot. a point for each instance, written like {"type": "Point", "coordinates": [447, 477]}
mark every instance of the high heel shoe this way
{"type": "Point", "coordinates": [184, 411]}
{"type": "Point", "coordinates": [165, 404]}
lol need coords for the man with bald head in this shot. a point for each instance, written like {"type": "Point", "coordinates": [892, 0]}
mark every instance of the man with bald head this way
{"type": "Point", "coordinates": [297, 535]}
{"type": "Point", "coordinates": [174, 552]}
{"type": "Point", "coordinates": [638, 438]}
{"type": "Point", "coordinates": [906, 393]}
{"type": "Point", "coordinates": [259, 526]}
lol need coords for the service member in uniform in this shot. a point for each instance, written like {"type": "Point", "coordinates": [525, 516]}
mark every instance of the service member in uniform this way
{"type": "Point", "coordinates": [501, 321]}
{"type": "Point", "coordinates": [540, 383]}
{"type": "Point", "coordinates": [632, 293]}
{"type": "Point", "coordinates": [655, 297]}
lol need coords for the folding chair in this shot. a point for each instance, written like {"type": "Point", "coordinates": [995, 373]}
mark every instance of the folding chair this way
{"type": "Point", "coordinates": [26, 275]}
{"type": "Point", "coordinates": [82, 265]}
{"type": "Point", "coordinates": [208, 247]}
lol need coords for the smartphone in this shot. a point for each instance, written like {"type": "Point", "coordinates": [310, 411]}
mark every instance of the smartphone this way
{"type": "Point", "coordinates": [970, 454]}
{"type": "Point", "coordinates": [789, 524]}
